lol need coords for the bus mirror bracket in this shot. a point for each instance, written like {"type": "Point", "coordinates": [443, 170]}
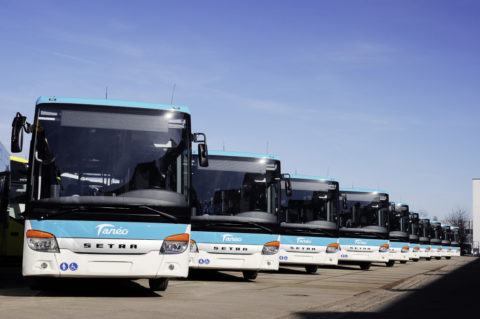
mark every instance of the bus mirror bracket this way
{"type": "Point", "coordinates": [201, 139]}
{"type": "Point", "coordinates": [19, 125]}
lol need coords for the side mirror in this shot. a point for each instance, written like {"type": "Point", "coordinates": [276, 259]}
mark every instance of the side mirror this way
{"type": "Point", "coordinates": [17, 133]}
{"type": "Point", "coordinates": [288, 184]}
{"type": "Point", "coordinates": [202, 155]}
{"type": "Point", "coordinates": [202, 149]}
{"type": "Point", "coordinates": [344, 201]}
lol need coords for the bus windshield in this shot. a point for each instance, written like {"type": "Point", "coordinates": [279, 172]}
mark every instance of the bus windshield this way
{"type": "Point", "coordinates": [233, 185]}
{"type": "Point", "coordinates": [86, 151]}
{"type": "Point", "coordinates": [365, 209]}
{"type": "Point", "coordinates": [399, 218]}
{"type": "Point", "coordinates": [311, 200]}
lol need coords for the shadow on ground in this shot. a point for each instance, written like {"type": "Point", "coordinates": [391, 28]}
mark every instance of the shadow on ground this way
{"type": "Point", "coordinates": [13, 284]}
{"type": "Point", "coordinates": [455, 295]}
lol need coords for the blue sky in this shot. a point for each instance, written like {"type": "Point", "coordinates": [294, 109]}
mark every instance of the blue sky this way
{"type": "Point", "coordinates": [378, 94]}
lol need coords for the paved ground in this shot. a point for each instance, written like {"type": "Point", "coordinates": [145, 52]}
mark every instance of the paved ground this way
{"type": "Point", "coordinates": [404, 291]}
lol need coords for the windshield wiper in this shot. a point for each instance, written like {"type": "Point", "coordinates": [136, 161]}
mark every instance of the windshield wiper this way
{"type": "Point", "coordinates": [260, 226]}
{"type": "Point", "coordinates": [62, 212]}
{"type": "Point", "coordinates": [158, 212]}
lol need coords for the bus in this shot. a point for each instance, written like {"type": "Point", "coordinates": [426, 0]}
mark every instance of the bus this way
{"type": "Point", "coordinates": [108, 190]}
{"type": "Point", "coordinates": [446, 242]}
{"type": "Point", "coordinates": [424, 231]}
{"type": "Point", "coordinates": [436, 235]}
{"type": "Point", "coordinates": [308, 223]}
{"type": "Point", "coordinates": [363, 227]}
{"type": "Point", "coordinates": [12, 211]}
{"type": "Point", "coordinates": [399, 237]}
{"type": "Point", "coordinates": [455, 240]}
{"type": "Point", "coordinates": [235, 213]}
{"type": "Point", "coordinates": [413, 232]}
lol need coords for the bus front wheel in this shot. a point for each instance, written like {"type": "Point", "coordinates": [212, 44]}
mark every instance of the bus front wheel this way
{"type": "Point", "coordinates": [158, 284]}
{"type": "Point", "coordinates": [390, 263]}
{"type": "Point", "coordinates": [36, 283]}
{"type": "Point", "coordinates": [250, 274]}
{"type": "Point", "coordinates": [365, 266]}
{"type": "Point", "coordinates": [311, 269]}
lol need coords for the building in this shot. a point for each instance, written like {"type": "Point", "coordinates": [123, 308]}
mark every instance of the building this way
{"type": "Point", "coordinates": [476, 216]}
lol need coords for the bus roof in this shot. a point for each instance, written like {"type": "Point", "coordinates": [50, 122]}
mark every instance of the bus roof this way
{"type": "Point", "coordinates": [299, 176]}
{"type": "Point", "coordinates": [366, 190]}
{"type": "Point", "coordinates": [239, 154]}
{"type": "Point", "coordinates": [425, 218]}
{"type": "Point", "coordinates": [107, 102]}
{"type": "Point", "coordinates": [400, 203]}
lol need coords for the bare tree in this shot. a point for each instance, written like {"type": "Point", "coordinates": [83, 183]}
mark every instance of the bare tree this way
{"type": "Point", "coordinates": [460, 218]}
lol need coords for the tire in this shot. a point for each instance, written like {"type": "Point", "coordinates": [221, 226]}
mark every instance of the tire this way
{"type": "Point", "coordinates": [403, 261]}
{"type": "Point", "coordinates": [250, 275]}
{"type": "Point", "coordinates": [429, 258]}
{"type": "Point", "coordinates": [36, 283]}
{"type": "Point", "coordinates": [448, 257]}
{"type": "Point", "coordinates": [158, 284]}
{"type": "Point", "coordinates": [390, 263]}
{"type": "Point", "coordinates": [311, 269]}
{"type": "Point", "coordinates": [438, 258]}
{"type": "Point", "coordinates": [365, 266]}
{"type": "Point", "coordinates": [416, 260]}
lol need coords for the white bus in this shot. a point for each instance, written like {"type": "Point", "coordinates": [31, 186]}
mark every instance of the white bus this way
{"type": "Point", "coordinates": [424, 230]}
{"type": "Point", "coordinates": [399, 239]}
{"type": "Point", "coordinates": [308, 228]}
{"type": "Point", "coordinates": [108, 190]}
{"type": "Point", "coordinates": [235, 215]}
{"type": "Point", "coordinates": [436, 234]}
{"type": "Point", "coordinates": [364, 227]}
{"type": "Point", "coordinates": [413, 232]}
{"type": "Point", "coordinates": [455, 238]}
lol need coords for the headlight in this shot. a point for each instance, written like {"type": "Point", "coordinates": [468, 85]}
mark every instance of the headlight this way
{"type": "Point", "coordinates": [42, 241]}
{"type": "Point", "coordinates": [175, 244]}
{"type": "Point", "coordinates": [271, 248]}
{"type": "Point", "coordinates": [427, 249]}
{"type": "Point", "coordinates": [405, 249]}
{"type": "Point", "coordinates": [417, 248]}
{"type": "Point", "coordinates": [384, 248]}
{"type": "Point", "coordinates": [332, 248]}
{"type": "Point", "coordinates": [193, 246]}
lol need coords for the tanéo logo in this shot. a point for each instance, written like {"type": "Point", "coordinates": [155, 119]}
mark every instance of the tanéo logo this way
{"type": "Point", "coordinates": [109, 229]}
{"type": "Point", "coordinates": [360, 242]}
{"type": "Point", "coordinates": [301, 240]}
{"type": "Point", "coordinates": [229, 238]}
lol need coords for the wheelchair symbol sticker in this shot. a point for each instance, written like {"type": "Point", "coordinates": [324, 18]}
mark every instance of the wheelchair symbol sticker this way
{"type": "Point", "coordinates": [73, 266]}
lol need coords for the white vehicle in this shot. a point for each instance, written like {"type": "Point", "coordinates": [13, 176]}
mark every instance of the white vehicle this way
{"type": "Point", "coordinates": [436, 239]}
{"type": "Point", "coordinates": [308, 228]}
{"type": "Point", "coordinates": [399, 239]}
{"type": "Point", "coordinates": [108, 191]}
{"type": "Point", "coordinates": [413, 234]}
{"type": "Point", "coordinates": [424, 229]}
{"type": "Point", "coordinates": [446, 241]}
{"type": "Point", "coordinates": [235, 215]}
{"type": "Point", "coordinates": [455, 238]}
{"type": "Point", "coordinates": [363, 227]}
